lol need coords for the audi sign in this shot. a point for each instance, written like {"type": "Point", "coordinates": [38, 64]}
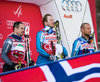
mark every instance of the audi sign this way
{"type": "Point", "coordinates": [71, 5]}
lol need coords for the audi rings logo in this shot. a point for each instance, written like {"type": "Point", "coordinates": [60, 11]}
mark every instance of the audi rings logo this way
{"type": "Point", "coordinates": [71, 5]}
{"type": "Point", "coordinates": [10, 23]}
{"type": "Point", "coordinates": [1, 36]}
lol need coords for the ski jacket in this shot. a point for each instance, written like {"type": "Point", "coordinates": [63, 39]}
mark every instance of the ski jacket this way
{"type": "Point", "coordinates": [8, 47]}
{"type": "Point", "coordinates": [81, 46]}
{"type": "Point", "coordinates": [44, 46]}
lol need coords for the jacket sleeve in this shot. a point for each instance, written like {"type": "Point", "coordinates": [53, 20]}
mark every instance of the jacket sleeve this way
{"type": "Point", "coordinates": [41, 51]}
{"type": "Point", "coordinates": [75, 49]}
{"type": "Point", "coordinates": [5, 50]}
{"type": "Point", "coordinates": [65, 52]}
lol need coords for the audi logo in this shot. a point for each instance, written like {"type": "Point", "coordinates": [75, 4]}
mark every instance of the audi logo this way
{"type": "Point", "coordinates": [71, 5]}
{"type": "Point", "coordinates": [26, 24]}
{"type": "Point", "coordinates": [11, 22]}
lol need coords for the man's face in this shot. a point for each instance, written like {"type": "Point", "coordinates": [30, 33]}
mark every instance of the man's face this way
{"type": "Point", "coordinates": [50, 22]}
{"type": "Point", "coordinates": [87, 30]}
{"type": "Point", "coordinates": [20, 31]}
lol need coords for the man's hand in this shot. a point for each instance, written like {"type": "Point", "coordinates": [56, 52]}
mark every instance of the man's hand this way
{"type": "Point", "coordinates": [31, 62]}
{"type": "Point", "coordinates": [16, 66]}
{"type": "Point", "coordinates": [53, 58]}
{"type": "Point", "coordinates": [59, 48]}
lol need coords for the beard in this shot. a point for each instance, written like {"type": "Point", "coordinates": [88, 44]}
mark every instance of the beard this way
{"type": "Point", "coordinates": [20, 34]}
{"type": "Point", "coordinates": [88, 35]}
